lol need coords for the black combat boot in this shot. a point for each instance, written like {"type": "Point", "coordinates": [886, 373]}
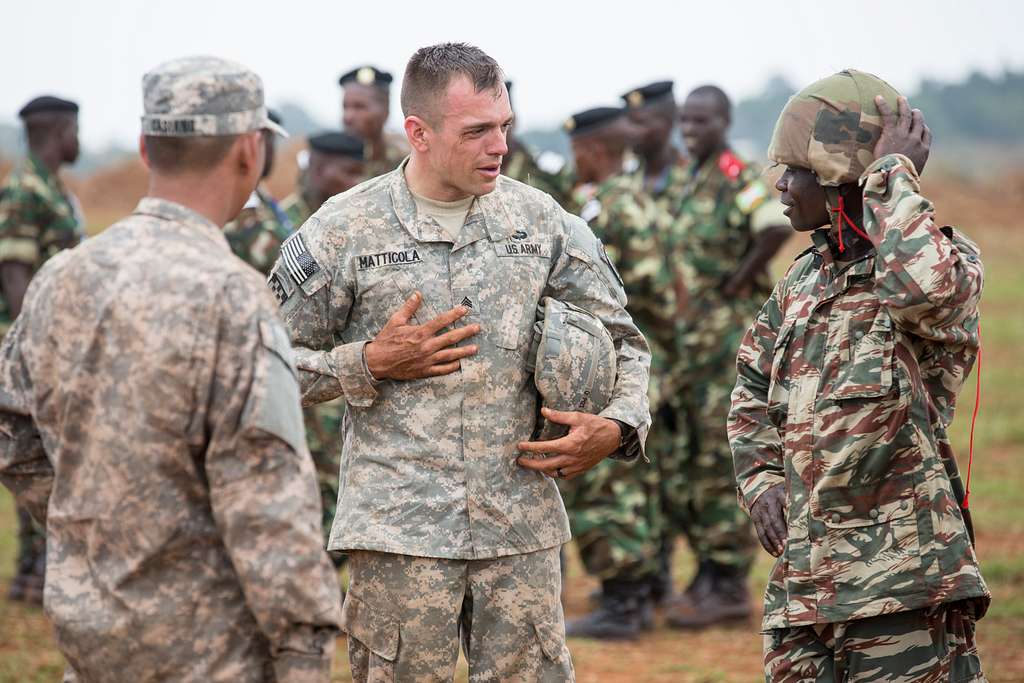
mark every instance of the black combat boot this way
{"type": "Point", "coordinates": [623, 612]}
{"type": "Point", "coordinates": [719, 598]}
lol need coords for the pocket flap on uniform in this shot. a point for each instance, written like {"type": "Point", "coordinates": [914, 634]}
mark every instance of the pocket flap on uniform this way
{"type": "Point", "coordinates": [551, 639]}
{"type": "Point", "coordinates": [371, 627]}
{"type": "Point", "coordinates": [846, 508]}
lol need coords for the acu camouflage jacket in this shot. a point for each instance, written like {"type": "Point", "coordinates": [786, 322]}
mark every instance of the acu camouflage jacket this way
{"type": "Point", "coordinates": [847, 383]}
{"type": "Point", "coordinates": [429, 466]}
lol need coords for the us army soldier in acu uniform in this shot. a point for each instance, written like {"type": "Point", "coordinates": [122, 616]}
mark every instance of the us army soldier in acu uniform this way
{"type": "Point", "coordinates": [149, 414]}
{"type": "Point", "coordinates": [848, 380]}
{"type": "Point", "coordinates": [39, 217]}
{"type": "Point", "coordinates": [447, 531]}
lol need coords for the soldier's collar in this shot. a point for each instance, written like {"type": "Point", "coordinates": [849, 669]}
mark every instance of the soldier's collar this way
{"type": "Point", "coordinates": [182, 215]}
{"type": "Point", "coordinates": [489, 208]}
{"type": "Point", "coordinates": [40, 169]}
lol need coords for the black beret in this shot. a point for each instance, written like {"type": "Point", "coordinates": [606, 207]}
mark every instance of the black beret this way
{"type": "Point", "coordinates": [647, 94]}
{"type": "Point", "coordinates": [337, 143]}
{"type": "Point", "coordinates": [592, 119]}
{"type": "Point", "coordinates": [274, 116]}
{"type": "Point", "coordinates": [47, 103]}
{"type": "Point", "coordinates": [366, 75]}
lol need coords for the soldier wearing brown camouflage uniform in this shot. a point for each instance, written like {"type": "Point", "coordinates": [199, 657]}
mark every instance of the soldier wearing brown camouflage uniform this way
{"type": "Point", "coordinates": [848, 381]}
{"type": "Point", "coordinates": [39, 217]}
{"type": "Point", "coordinates": [452, 519]}
{"type": "Point", "coordinates": [149, 415]}
{"type": "Point", "coordinates": [365, 106]}
{"type": "Point", "coordinates": [727, 228]}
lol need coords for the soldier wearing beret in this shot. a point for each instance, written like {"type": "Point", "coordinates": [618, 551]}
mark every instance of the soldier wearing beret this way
{"type": "Point", "coordinates": [547, 171]}
{"type": "Point", "coordinates": [414, 295]}
{"type": "Point", "coordinates": [336, 163]}
{"type": "Point", "coordinates": [39, 217]}
{"type": "Point", "coordinates": [149, 416]}
{"type": "Point", "coordinates": [848, 380]}
{"type": "Point", "coordinates": [727, 228]}
{"type": "Point", "coordinates": [366, 105]}
{"type": "Point", "coordinates": [613, 508]}
{"type": "Point", "coordinates": [652, 110]}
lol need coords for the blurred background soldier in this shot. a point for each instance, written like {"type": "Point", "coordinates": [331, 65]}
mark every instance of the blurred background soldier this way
{"type": "Point", "coordinates": [262, 225]}
{"type": "Point", "coordinates": [652, 109]}
{"type": "Point", "coordinates": [547, 170]}
{"type": "Point", "coordinates": [366, 104]}
{"type": "Point", "coordinates": [727, 229]}
{"type": "Point", "coordinates": [38, 218]}
{"type": "Point", "coordinates": [336, 163]}
{"type": "Point", "coordinates": [170, 470]}
{"type": "Point", "coordinates": [613, 507]}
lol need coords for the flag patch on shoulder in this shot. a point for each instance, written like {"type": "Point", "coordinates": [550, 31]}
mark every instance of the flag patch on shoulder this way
{"type": "Point", "coordinates": [297, 260]}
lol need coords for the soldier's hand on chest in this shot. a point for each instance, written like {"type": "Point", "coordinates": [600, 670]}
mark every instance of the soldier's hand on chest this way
{"type": "Point", "coordinates": [403, 351]}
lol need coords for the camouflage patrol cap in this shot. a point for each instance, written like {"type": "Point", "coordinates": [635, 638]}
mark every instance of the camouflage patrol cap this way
{"type": "Point", "coordinates": [573, 361]}
{"type": "Point", "coordinates": [831, 126]}
{"type": "Point", "coordinates": [194, 96]}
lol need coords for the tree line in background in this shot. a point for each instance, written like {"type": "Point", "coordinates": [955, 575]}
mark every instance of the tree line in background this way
{"type": "Point", "coordinates": [982, 113]}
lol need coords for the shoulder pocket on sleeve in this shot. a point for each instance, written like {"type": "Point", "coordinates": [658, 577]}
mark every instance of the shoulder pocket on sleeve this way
{"type": "Point", "coordinates": [274, 404]}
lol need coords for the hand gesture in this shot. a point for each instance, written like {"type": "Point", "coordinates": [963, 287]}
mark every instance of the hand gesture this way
{"type": "Point", "coordinates": [903, 132]}
{"type": "Point", "coordinates": [404, 351]}
{"type": "Point", "coordinates": [590, 440]}
{"type": "Point", "coordinates": [769, 517]}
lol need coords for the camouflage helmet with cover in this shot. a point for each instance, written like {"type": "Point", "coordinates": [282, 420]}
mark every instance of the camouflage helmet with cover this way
{"type": "Point", "coordinates": [831, 127]}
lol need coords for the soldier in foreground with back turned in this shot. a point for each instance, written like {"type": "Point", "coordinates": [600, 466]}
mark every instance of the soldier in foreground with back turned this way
{"type": "Point", "coordinates": [448, 532]}
{"type": "Point", "coordinates": [848, 381]}
{"type": "Point", "coordinates": [365, 107]}
{"type": "Point", "coordinates": [149, 414]}
{"type": "Point", "coordinates": [39, 217]}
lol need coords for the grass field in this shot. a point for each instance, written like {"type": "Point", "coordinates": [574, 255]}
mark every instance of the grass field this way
{"type": "Point", "coordinates": [28, 655]}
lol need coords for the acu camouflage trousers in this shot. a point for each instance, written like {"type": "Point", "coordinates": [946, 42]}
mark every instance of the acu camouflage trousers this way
{"type": "Point", "coordinates": [405, 617]}
{"type": "Point", "coordinates": [925, 645]}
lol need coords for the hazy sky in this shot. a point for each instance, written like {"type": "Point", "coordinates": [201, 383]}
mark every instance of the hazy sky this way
{"type": "Point", "coordinates": [563, 56]}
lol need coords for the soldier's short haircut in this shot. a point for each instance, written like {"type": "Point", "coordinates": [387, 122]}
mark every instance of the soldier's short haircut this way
{"type": "Point", "coordinates": [713, 91]}
{"type": "Point", "coordinates": [431, 69]}
{"type": "Point", "coordinates": [173, 155]}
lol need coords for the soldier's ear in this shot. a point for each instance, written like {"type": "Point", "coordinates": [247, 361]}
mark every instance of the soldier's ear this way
{"type": "Point", "coordinates": [416, 130]}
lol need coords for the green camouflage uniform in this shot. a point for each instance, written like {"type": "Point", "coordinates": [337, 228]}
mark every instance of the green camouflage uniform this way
{"type": "Point", "coordinates": [723, 206]}
{"type": "Point", "coordinates": [848, 381]}
{"type": "Point", "coordinates": [396, 148]}
{"type": "Point", "coordinates": [256, 236]}
{"type": "Point", "coordinates": [613, 508]}
{"type": "Point", "coordinates": [522, 165]}
{"type": "Point", "coordinates": [39, 217]}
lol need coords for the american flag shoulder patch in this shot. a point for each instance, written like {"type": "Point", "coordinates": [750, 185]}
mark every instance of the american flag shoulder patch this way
{"type": "Point", "coordinates": [297, 260]}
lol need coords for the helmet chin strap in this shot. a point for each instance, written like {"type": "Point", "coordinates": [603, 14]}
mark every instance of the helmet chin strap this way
{"type": "Point", "coordinates": [837, 207]}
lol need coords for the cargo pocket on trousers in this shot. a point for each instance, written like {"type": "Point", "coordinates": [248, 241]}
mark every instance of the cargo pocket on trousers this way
{"type": "Point", "coordinates": [377, 635]}
{"type": "Point", "coordinates": [557, 664]}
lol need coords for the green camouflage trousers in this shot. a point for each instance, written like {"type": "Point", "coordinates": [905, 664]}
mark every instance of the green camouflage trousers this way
{"type": "Point", "coordinates": [933, 644]}
{"type": "Point", "coordinates": [323, 434]}
{"type": "Point", "coordinates": [697, 483]}
{"type": "Point", "coordinates": [405, 615]}
{"type": "Point", "coordinates": [612, 510]}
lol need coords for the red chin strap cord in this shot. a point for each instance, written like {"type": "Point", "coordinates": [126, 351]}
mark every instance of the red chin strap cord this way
{"type": "Point", "coordinates": [844, 218]}
{"type": "Point", "coordinates": [974, 419]}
